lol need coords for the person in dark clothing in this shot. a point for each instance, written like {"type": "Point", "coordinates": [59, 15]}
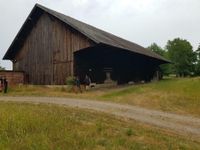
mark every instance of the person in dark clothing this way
{"type": "Point", "coordinates": [5, 82]}
{"type": "Point", "coordinates": [78, 83]}
{"type": "Point", "coordinates": [87, 82]}
{"type": "Point", "coordinates": [1, 84]}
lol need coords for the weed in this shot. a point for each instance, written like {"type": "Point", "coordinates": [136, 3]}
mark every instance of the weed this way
{"type": "Point", "coordinates": [129, 132]}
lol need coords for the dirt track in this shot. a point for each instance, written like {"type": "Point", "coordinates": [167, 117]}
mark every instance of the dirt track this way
{"type": "Point", "coordinates": [185, 125]}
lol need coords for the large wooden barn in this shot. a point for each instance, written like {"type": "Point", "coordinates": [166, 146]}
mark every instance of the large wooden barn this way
{"type": "Point", "coordinates": [51, 46]}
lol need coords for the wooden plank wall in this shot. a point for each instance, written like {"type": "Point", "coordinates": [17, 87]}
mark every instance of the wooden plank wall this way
{"type": "Point", "coordinates": [47, 54]}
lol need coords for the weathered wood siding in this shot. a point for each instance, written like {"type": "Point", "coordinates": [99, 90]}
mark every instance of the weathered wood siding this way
{"type": "Point", "coordinates": [46, 56]}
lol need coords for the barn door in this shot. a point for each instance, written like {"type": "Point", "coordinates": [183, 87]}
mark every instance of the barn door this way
{"type": "Point", "coordinates": [62, 68]}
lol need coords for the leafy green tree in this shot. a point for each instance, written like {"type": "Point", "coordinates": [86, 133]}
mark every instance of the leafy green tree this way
{"type": "Point", "coordinates": [165, 68]}
{"type": "Point", "coordinates": [181, 54]}
{"type": "Point", "coordinates": [197, 66]}
{"type": "Point", "coordinates": [198, 52]}
{"type": "Point", "coordinates": [157, 49]}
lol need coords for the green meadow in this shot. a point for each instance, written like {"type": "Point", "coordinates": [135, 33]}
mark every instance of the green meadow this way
{"type": "Point", "coordinates": [51, 127]}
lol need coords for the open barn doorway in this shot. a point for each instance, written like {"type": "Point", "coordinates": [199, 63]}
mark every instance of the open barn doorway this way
{"type": "Point", "coordinates": [102, 62]}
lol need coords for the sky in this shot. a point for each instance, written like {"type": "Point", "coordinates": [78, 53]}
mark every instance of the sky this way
{"type": "Point", "coordinates": [141, 21]}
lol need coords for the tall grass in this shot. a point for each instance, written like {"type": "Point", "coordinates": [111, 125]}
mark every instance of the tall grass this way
{"type": "Point", "coordinates": [48, 127]}
{"type": "Point", "coordinates": [175, 95]}
{"type": "Point", "coordinates": [179, 95]}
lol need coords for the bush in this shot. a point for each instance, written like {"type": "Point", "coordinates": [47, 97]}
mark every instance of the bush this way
{"type": "Point", "coordinates": [129, 132]}
{"type": "Point", "coordinates": [70, 80]}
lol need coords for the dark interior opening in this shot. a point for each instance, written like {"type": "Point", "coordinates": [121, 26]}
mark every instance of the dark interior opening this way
{"type": "Point", "coordinates": [123, 65]}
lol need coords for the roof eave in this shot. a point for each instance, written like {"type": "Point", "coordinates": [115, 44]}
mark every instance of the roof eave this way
{"type": "Point", "coordinates": [67, 22]}
{"type": "Point", "coordinates": [6, 56]}
{"type": "Point", "coordinates": [162, 59]}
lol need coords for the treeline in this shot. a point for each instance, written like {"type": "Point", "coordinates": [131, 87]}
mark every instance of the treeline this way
{"type": "Point", "coordinates": [185, 61]}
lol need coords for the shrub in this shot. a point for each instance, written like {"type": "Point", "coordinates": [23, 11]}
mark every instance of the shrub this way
{"type": "Point", "coordinates": [70, 80]}
{"type": "Point", "coordinates": [129, 132]}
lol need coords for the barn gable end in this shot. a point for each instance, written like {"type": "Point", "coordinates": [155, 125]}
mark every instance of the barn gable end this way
{"type": "Point", "coordinates": [46, 55]}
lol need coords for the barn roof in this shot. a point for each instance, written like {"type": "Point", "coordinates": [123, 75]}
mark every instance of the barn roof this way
{"type": "Point", "coordinates": [96, 35]}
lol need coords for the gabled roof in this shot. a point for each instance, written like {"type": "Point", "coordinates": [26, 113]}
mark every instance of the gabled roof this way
{"type": "Point", "coordinates": [96, 35]}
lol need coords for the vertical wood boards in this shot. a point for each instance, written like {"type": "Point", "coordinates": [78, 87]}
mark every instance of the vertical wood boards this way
{"type": "Point", "coordinates": [47, 53]}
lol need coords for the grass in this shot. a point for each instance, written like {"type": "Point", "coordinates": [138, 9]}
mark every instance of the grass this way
{"type": "Point", "coordinates": [174, 95]}
{"type": "Point", "coordinates": [27, 126]}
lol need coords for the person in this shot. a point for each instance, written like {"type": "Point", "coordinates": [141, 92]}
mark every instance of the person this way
{"type": "Point", "coordinates": [78, 83]}
{"type": "Point", "coordinates": [1, 84]}
{"type": "Point", "coordinates": [87, 82]}
{"type": "Point", "coordinates": [5, 85]}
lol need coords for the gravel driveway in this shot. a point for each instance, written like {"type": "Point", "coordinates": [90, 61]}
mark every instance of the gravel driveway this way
{"type": "Point", "coordinates": [184, 125]}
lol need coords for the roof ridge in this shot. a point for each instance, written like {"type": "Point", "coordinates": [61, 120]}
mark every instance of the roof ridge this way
{"type": "Point", "coordinates": [64, 20]}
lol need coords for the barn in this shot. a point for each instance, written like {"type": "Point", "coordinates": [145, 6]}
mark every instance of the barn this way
{"type": "Point", "coordinates": [51, 46]}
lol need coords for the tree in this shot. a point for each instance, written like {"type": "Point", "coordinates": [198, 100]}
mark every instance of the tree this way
{"type": "Point", "coordinates": [165, 68]}
{"type": "Point", "coordinates": [197, 66]}
{"type": "Point", "coordinates": [157, 49]}
{"type": "Point", "coordinates": [181, 54]}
